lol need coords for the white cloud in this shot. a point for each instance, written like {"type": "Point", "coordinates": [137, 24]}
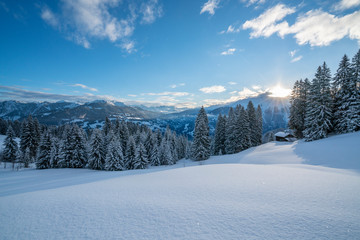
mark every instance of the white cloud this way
{"type": "Point", "coordinates": [346, 4]}
{"type": "Point", "coordinates": [316, 28]}
{"type": "Point", "coordinates": [81, 21]}
{"type": "Point", "coordinates": [177, 85]}
{"type": "Point", "coordinates": [319, 28]}
{"type": "Point", "coordinates": [246, 92]}
{"type": "Point", "coordinates": [150, 11]}
{"type": "Point", "coordinates": [175, 94]}
{"type": "Point", "coordinates": [256, 87]}
{"type": "Point", "coordinates": [296, 59]}
{"type": "Point", "coordinates": [128, 46]}
{"type": "Point", "coordinates": [230, 51]}
{"type": "Point", "coordinates": [292, 53]}
{"type": "Point", "coordinates": [132, 95]}
{"type": "Point", "coordinates": [232, 83]}
{"type": "Point", "coordinates": [251, 2]}
{"type": "Point", "coordinates": [213, 89]}
{"type": "Point", "coordinates": [210, 6]}
{"type": "Point", "coordinates": [230, 29]}
{"type": "Point", "coordinates": [293, 56]}
{"type": "Point", "coordinates": [237, 95]}
{"type": "Point", "coordinates": [84, 87]}
{"type": "Point", "coordinates": [7, 92]}
{"type": "Point", "coordinates": [264, 25]}
{"type": "Point", "coordinates": [49, 17]}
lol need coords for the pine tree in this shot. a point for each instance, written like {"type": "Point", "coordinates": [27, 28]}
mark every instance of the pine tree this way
{"type": "Point", "coordinates": [230, 132]}
{"type": "Point", "coordinates": [97, 153]}
{"type": "Point", "coordinates": [124, 136]}
{"type": "Point", "coordinates": [154, 153]}
{"type": "Point", "coordinates": [244, 129]}
{"type": "Point", "coordinates": [80, 157]}
{"type": "Point", "coordinates": [130, 153]}
{"type": "Point", "coordinates": [252, 124]}
{"type": "Point", "coordinates": [10, 147]}
{"type": "Point", "coordinates": [341, 92]}
{"type": "Point", "coordinates": [165, 155]}
{"type": "Point", "coordinates": [44, 153]}
{"type": "Point", "coordinates": [29, 136]}
{"type": "Point", "coordinates": [66, 148]}
{"type": "Point", "coordinates": [55, 152]}
{"type": "Point", "coordinates": [259, 126]}
{"type": "Point", "coordinates": [26, 157]}
{"type": "Point", "coordinates": [353, 112]}
{"type": "Point", "coordinates": [141, 158]}
{"type": "Point", "coordinates": [201, 144]}
{"type": "Point", "coordinates": [107, 126]}
{"type": "Point", "coordinates": [319, 106]}
{"type": "Point", "coordinates": [220, 135]}
{"type": "Point", "coordinates": [114, 160]}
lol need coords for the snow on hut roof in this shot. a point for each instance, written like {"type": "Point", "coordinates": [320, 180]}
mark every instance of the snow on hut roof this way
{"type": "Point", "coordinates": [281, 134]}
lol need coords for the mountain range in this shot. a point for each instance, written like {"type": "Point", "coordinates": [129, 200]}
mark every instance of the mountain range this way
{"type": "Point", "coordinates": [92, 114]}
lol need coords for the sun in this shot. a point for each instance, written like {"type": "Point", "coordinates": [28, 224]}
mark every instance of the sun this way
{"type": "Point", "coordinates": [279, 91]}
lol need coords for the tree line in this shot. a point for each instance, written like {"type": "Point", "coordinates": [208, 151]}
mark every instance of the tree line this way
{"type": "Point", "coordinates": [117, 146]}
{"type": "Point", "coordinates": [238, 131]}
{"type": "Point", "coordinates": [327, 104]}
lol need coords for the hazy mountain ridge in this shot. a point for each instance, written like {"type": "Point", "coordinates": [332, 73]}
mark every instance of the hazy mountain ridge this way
{"type": "Point", "coordinates": [92, 114]}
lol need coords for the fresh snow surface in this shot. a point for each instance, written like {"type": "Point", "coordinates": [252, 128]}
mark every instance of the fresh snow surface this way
{"type": "Point", "coordinates": [267, 192]}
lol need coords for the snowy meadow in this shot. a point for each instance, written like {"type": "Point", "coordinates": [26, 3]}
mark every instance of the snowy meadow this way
{"type": "Point", "coordinates": [299, 190]}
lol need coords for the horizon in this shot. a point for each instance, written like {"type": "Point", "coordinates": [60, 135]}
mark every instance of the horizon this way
{"type": "Point", "coordinates": [182, 54]}
{"type": "Point", "coordinates": [149, 105]}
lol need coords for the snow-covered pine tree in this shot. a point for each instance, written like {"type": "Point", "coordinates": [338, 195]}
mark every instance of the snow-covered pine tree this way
{"type": "Point", "coordinates": [230, 133]}
{"type": "Point", "coordinates": [97, 153]}
{"type": "Point", "coordinates": [295, 118]}
{"type": "Point", "coordinates": [259, 125]}
{"type": "Point", "coordinates": [29, 137]}
{"type": "Point", "coordinates": [130, 153]}
{"type": "Point", "coordinates": [220, 135]}
{"type": "Point", "coordinates": [36, 134]}
{"type": "Point", "coordinates": [44, 152]}
{"type": "Point", "coordinates": [141, 158]}
{"type": "Point", "coordinates": [124, 136]}
{"type": "Point", "coordinates": [80, 156]}
{"type": "Point", "coordinates": [10, 147]}
{"type": "Point", "coordinates": [114, 160]}
{"type": "Point", "coordinates": [319, 106]}
{"type": "Point", "coordinates": [55, 152]}
{"type": "Point", "coordinates": [238, 129]}
{"type": "Point", "coordinates": [165, 155]}
{"type": "Point", "coordinates": [173, 147]}
{"type": "Point", "coordinates": [353, 112]}
{"type": "Point", "coordinates": [148, 143]}
{"type": "Point", "coordinates": [341, 92]}
{"type": "Point", "coordinates": [188, 150]}
{"type": "Point", "coordinates": [117, 127]}
{"type": "Point", "coordinates": [107, 126]}
{"type": "Point", "coordinates": [245, 133]}
{"type": "Point", "coordinates": [154, 153]}
{"type": "Point", "coordinates": [250, 109]}
{"type": "Point", "coordinates": [25, 157]}
{"type": "Point", "coordinates": [201, 142]}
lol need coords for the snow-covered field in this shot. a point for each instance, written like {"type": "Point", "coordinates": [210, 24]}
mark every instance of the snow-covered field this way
{"type": "Point", "coordinates": [274, 191]}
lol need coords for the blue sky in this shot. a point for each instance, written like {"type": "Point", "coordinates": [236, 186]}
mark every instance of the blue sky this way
{"type": "Point", "coordinates": [184, 53]}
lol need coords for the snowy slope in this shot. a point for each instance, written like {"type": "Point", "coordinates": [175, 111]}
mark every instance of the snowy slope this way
{"type": "Point", "coordinates": [279, 197]}
{"type": "Point", "coordinates": [340, 151]}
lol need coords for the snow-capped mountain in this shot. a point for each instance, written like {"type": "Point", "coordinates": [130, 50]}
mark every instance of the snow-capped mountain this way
{"type": "Point", "coordinates": [65, 112]}
{"type": "Point", "coordinates": [92, 114]}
